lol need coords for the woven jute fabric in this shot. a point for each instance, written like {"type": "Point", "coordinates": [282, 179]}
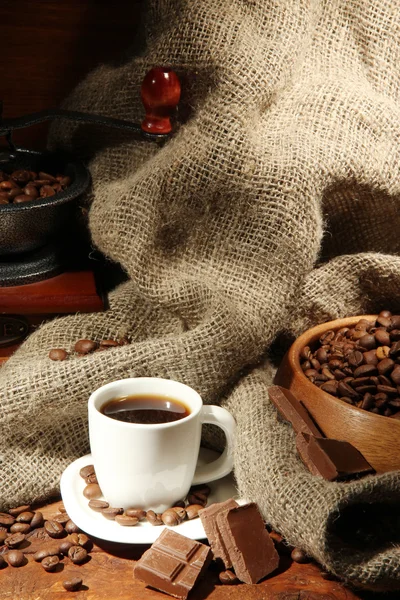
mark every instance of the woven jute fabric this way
{"type": "Point", "coordinates": [274, 207]}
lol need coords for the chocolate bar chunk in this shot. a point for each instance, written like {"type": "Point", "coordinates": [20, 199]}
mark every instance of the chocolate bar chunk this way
{"type": "Point", "coordinates": [334, 460]}
{"type": "Point", "coordinates": [247, 542]}
{"type": "Point", "coordinates": [208, 517]}
{"type": "Point", "coordinates": [173, 564]}
{"type": "Point", "coordinates": [291, 409]}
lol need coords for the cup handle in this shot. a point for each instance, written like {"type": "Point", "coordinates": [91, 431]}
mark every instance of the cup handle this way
{"type": "Point", "coordinates": [224, 463]}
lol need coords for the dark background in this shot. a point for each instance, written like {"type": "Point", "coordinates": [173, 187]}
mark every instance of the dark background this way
{"type": "Point", "coordinates": [47, 47]}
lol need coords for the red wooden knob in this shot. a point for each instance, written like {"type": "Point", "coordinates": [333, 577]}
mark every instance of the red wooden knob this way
{"type": "Point", "coordinates": [160, 92]}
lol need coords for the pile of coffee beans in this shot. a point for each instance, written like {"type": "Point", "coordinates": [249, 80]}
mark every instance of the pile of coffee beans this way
{"type": "Point", "coordinates": [359, 364]}
{"type": "Point", "coordinates": [25, 533]}
{"type": "Point", "coordinates": [183, 510]}
{"type": "Point", "coordinates": [26, 186]}
{"type": "Point", "coordinates": [84, 347]}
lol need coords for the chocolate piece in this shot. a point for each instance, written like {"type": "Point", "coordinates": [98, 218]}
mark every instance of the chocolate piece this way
{"type": "Point", "coordinates": [173, 564]}
{"type": "Point", "coordinates": [333, 460]}
{"type": "Point", "coordinates": [291, 409]}
{"type": "Point", "coordinates": [248, 543]}
{"type": "Point", "coordinates": [208, 517]}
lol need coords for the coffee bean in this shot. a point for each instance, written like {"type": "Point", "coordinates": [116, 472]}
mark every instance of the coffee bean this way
{"type": "Point", "coordinates": [6, 520]}
{"type": "Point", "coordinates": [180, 511]}
{"type": "Point", "coordinates": [355, 358]}
{"type": "Point", "coordinates": [62, 518]}
{"type": "Point", "coordinates": [25, 517]}
{"type": "Point", "coordinates": [365, 370]}
{"type": "Point", "coordinates": [92, 478]}
{"type": "Point", "coordinates": [73, 584]}
{"type": "Point", "coordinates": [331, 387]}
{"type": "Point", "coordinates": [109, 343]}
{"type": "Point", "coordinates": [367, 341]}
{"type": "Point", "coordinates": [70, 527]}
{"type": "Point", "coordinates": [81, 539]}
{"type": "Point", "coordinates": [46, 191]}
{"type": "Point", "coordinates": [14, 540]}
{"type": "Point", "coordinates": [21, 176]}
{"type": "Point", "coordinates": [170, 518]}
{"type": "Point", "coordinates": [370, 358]}
{"type": "Point", "coordinates": [20, 528]}
{"type": "Point", "coordinates": [18, 510]}
{"type": "Point", "coordinates": [305, 353]}
{"type": "Point", "coordinates": [387, 389]}
{"type": "Point", "coordinates": [136, 512]}
{"type": "Point", "coordinates": [50, 563]}
{"type": "Point", "coordinates": [154, 518]}
{"type": "Point", "coordinates": [126, 521]}
{"type": "Point", "coordinates": [98, 505]}
{"type": "Point", "coordinates": [3, 562]}
{"type": "Point", "coordinates": [395, 375]}
{"type": "Point", "coordinates": [37, 520]}
{"type": "Point", "coordinates": [54, 529]}
{"type": "Point", "coordinates": [228, 578]}
{"type": "Point", "coordinates": [192, 511]}
{"type": "Point", "coordinates": [384, 321]}
{"type": "Point", "coordinates": [327, 337]}
{"type": "Point", "coordinates": [382, 337]}
{"type": "Point", "coordinates": [395, 321]}
{"type": "Point", "coordinates": [385, 365]}
{"type": "Point", "coordinates": [3, 534]}
{"type": "Point", "coordinates": [179, 503]}
{"type": "Point", "coordinates": [92, 491]}
{"type": "Point", "coordinates": [16, 558]}
{"type": "Point", "coordinates": [298, 555]}
{"type": "Point", "coordinates": [20, 198]}
{"type": "Point", "coordinates": [58, 354]}
{"type": "Point", "coordinates": [31, 191]}
{"type": "Point", "coordinates": [395, 349]}
{"type": "Point", "coordinates": [85, 346]}
{"type": "Point", "coordinates": [77, 554]}
{"type": "Point", "coordinates": [110, 512]}
{"type": "Point", "coordinates": [86, 471]}
{"type": "Point", "coordinates": [345, 390]}
{"type": "Point", "coordinates": [368, 401]}
{"type": "Point", "coordinates": [65, 546]}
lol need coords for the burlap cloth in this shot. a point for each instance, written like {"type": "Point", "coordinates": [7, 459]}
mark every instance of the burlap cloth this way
{"type": "Point", "coordinates": [274, 207]}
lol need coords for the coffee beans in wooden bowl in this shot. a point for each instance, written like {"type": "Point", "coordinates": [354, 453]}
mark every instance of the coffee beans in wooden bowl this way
{"type": "Point", "coordinates": [359, 364]}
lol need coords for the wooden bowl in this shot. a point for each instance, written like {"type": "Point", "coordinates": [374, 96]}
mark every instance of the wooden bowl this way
{"type": "Point", "coordinates": [375, 436]}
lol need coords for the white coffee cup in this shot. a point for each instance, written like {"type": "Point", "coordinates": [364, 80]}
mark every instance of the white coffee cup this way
{"type": "Point", "coordinates": [153, 466]}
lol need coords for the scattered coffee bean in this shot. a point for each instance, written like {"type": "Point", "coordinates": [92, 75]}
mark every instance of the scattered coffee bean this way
{"type": "Point", "coordinates": [25, 517]}
{"type": "Point", "coordinates": [85, 346]}
{"type": "Point", "coordinates": [16, 558]}
{"type": "Point", "coordinates": [18, 510]}
{"type": "Point", "coordinates": [109, 343]}
{"type": "Point", "coordinates": [50, 563]}
{"type": "Point", "coordinates": [110, 512]}
{"type": "Point", "coordinates": [54, 529]}
{"type": "Point", "coordinates": [3, 534]}
{"type": "Point", "coordinates": [37, 520]}
{"type": "Point", "coordinates": [80, 539]}
{"type": "Point", "coordinates": [136, 512]}
{"type": "Point", "coordinates": [77, 554]}
{"type": "Point", "coordinates": [92, 491]}
{"type": "Point", "coordinates": [192, 511]}
{"type": "Point", "coordinates": [87, 471]}
{"type": "Point", "coordinates": [73, 584]}
{"type": "Point", "coordinates": [181, 512]}
{"type": "Point", "coordinates": [92, 478]}
{"type": "Point", "coordinates": [154, 518]}
{"type": "Point", "coordinates": [298, 555]}
{"type": "Point", "coordinates": [228, 578]}
{"type": "Point", "coordinates": [197, 499]}
{"type": "Point", "coordinates": [20, 528]}
{"type": "Point", "coordinates": [14, 540]}
{"type": "Point", "coordinates": [65, 546]}
{"type": "Point", "coordinates": [6, 520]}
{"type": "Point", "coordinates": [126, 521]}
{"type": "Point", "coordinates": [70, 527]}
{"type": "Point", "coordinates": [61, 508]}
{"type": "Point", "coordinates": [169, 517]}
{"type": "Point", "coordinates": [62, 518]}
{"type": "Point", "coordinates": [98, 505]}
{"type": "Point", "coordinates": [58, 354]}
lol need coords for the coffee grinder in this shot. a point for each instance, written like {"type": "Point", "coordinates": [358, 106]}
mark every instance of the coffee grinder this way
{"type": "Point", "coordinates": [43, 275]}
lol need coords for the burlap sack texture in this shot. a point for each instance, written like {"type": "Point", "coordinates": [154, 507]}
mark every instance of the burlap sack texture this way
{"type": "Point", "coordinates": [273, 208]}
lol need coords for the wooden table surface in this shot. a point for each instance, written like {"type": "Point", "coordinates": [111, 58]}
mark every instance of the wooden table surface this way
{"type": "Point", "coordinates": [108, 575]}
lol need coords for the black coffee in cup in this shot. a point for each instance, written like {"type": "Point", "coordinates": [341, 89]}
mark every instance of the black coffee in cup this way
{"type": "Point", "coordinates": [145, 409]}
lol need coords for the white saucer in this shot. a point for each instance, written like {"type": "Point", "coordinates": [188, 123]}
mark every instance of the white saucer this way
{"type": "Point", "coordinates": [95, 524]}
